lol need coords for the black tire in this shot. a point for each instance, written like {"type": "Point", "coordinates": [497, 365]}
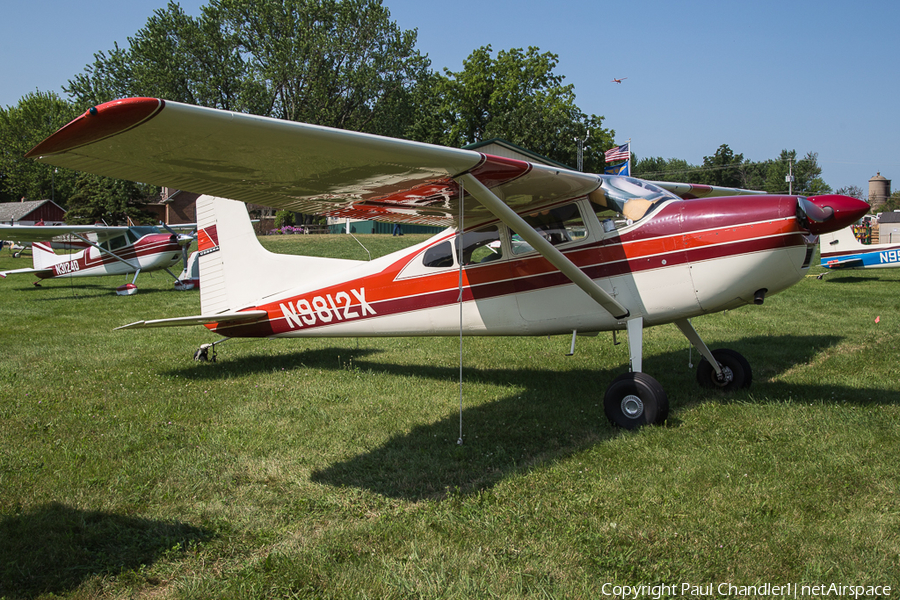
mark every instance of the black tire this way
{"type": "Point", "coordinates": [736, 367]}
{"type": "Point", "coordinates": [635, 399]}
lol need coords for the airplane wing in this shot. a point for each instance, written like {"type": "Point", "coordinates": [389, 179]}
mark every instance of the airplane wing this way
{"type": "Point", "coordinates": [42, 233]}
{"type": "Point", "coordinates": [699, 190]}
{"type": "Point", "coordinates": [296, 166]}
{"type": "Point", "coordinates": [38, 272]}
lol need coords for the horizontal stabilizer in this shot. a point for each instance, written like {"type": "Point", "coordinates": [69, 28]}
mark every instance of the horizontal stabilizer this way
{"type": "Point", "coordinates": [852, 263]}
{"type": "Point", "coordinates": [249, 316]}
{"type": "Point", "coordinates": [38, 272]}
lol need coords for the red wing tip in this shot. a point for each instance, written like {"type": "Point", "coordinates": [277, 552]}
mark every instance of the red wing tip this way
{"type": "Point", "coordinates": [97, 123]}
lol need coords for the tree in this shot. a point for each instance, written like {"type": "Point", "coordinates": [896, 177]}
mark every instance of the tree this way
{"type": "Point", "coordinates": [330, 62]}
{"type": "Point", "coordinates": [806, 171]}
{"type": "Point", "coordinates": [341, 63]}
{"type": "Point", "coordinates": [661, 169]}
{"type": "Point", "coordinates": [854, 191]}
{"type": "Point", "coordinates": [22, 127]}
{"type": "Point", "coordinates": [722, 168]}
{"type": "Point", "coordinates": [892, 203]}
{"type": "Point", "coordinates": [176, 57]}
{"type": "Point", "coordinates": [516, 96]}
{"type": "Point", "coordinates": [98, 199]}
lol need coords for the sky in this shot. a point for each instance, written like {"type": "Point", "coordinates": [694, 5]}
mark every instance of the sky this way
{"type": "Point", "coordinates": [762, 77]}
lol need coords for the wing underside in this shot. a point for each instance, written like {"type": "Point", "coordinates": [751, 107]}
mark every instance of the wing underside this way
{"type": "Point", "coordinates": [43, 233]}
{"type": "Point", "coordinates": [296, 166]}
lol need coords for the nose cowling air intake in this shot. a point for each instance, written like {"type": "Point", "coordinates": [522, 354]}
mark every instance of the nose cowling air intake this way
{"type": "Point", "coordinates": [824, 214]}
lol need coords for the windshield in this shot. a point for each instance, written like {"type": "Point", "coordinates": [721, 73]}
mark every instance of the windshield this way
{"type": "Point", "coordinates": [632, 198]}
{"type": "Point", "coordinates": [142, 230]}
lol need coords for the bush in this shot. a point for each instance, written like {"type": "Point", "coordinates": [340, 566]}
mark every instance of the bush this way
{"type": "Point", "coordinates": [284, 218]}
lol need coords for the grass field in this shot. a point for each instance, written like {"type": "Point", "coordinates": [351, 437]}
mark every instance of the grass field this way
{"type": "Point", "coordinates": [330, 468]}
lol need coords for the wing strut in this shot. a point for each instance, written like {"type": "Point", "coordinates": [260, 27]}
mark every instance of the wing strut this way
{"type": "Point", "coordinates": [503, 212]}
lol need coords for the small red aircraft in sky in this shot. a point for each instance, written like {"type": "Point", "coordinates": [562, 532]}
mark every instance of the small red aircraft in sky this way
{"type": "Point", "coordinates": [106, 250]}
{"type": "Point", "coordinates": [618, 80]}
{"type": "Point", "coordinates": [531, 249]}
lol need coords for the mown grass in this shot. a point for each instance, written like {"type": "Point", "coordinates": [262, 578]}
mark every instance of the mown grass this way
{"type": "Point", "coordinates": [330, 468]}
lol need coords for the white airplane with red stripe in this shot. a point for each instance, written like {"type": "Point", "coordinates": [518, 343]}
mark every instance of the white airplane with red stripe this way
{"type": "Point", "coordinates": [530, 249]}
{"type": "Point", "coordinates": [107, 250]}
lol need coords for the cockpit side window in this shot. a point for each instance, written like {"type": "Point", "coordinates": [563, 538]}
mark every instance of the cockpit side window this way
{"type": "Point", "coordinates": [556, 225]}
{"type": "Point", "coordinates": [482, 246]}
{"type": "Point", "coordinates": [114, 243]}
{"type": "Point", "coordinates": [479, 246]}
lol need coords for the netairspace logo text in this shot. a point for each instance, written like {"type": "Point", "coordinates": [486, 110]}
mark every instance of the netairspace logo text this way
{"type": "Point", "coordinates": [730, 590]}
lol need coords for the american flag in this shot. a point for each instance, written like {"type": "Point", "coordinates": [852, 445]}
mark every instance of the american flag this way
{"type": "Point", "coordinates": [622, 152]}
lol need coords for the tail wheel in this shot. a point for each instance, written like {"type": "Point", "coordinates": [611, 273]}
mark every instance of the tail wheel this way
{"type": "Point", "coordinates": [736, 371]}
{"type": "Point", "coordinates": [635, 399]}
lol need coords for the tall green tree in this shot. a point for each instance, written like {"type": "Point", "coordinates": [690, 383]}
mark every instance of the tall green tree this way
{"type": "Point", "coordinates": [97, 199]}
{"type": "Point", "coordinates": [342, 63]}
{"type": "Point", "coordinates": [22, 127]}
{"type": "Point", "coordinates": [661, 169]}
{"type": "Point", "coordinates": [176, 57]}
{"type": "Point", "coordinates": [806, 171]}
{"type": "Point", "coordinates": [722, 168]}
{"type": "Point", "coordinates": [517, 95]}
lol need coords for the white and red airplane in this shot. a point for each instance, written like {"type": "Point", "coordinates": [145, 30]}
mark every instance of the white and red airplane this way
{"type": "Point", "coordinates": [107, 250]}
{"type": "Point", "coordinates": [532, 249]}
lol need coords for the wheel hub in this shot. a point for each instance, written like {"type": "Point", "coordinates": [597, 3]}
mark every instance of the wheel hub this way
{"type": "Point", "coordinates": [632, 406]}
{"type": "Point", "coordinates": [726, 377]}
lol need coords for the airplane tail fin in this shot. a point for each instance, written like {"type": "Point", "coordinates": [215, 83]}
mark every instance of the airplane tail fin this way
{"type": "Point", "coordinates": [235, 270]}
{"type": "Point", "coordinates": [43, 256]}
{"type": "Point", "coordinates": [840, 240]}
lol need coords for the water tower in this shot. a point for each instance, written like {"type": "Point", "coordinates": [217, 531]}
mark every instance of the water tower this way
{"type": "Point", "coordinates": [879, 191]}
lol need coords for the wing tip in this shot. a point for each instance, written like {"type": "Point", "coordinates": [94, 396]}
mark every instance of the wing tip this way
{"type": "Point", "coordinates": [98, 122]}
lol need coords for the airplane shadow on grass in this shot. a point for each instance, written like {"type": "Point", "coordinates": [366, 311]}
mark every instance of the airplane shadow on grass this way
{"type": "Point", "coordinates": [54, 548]}
{"type": "Point", "coordinates": [557, 414]}
{"type": "Point", "coordinates": [846, 278]}
{"type": "Point", "coordinates": [50, 292]}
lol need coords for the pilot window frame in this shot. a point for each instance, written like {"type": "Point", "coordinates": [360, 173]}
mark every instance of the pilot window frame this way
{"type": "Point", "coordinates": [442, 256]}
{"type": "Point", "coordinates": [556, 226]}
{"type": "Point", "coordinates": [480, 239]}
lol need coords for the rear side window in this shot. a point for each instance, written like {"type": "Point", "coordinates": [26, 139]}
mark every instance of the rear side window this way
{"type": "Point", "coordinates": [439, 256]}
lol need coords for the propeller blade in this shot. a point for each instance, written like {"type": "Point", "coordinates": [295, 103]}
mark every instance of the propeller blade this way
{"type": "Point", "coordinates": [813, 211]}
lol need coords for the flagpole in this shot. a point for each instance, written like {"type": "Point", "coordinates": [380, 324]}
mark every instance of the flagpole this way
{"type": "Point", "coordinates": [629, 158]}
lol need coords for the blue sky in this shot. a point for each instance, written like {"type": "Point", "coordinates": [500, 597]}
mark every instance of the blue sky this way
{"type": "Point", "coordinates": [760, 76]}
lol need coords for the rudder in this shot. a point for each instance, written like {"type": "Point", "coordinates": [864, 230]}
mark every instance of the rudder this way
{"type": "Point", "coordinates": [43, 256]}
{"type": "Point", "coordinates": [235, 270]}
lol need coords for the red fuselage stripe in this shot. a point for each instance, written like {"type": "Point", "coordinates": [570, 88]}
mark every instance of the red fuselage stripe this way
{"type": "Point", "coordinates": [599, 261]}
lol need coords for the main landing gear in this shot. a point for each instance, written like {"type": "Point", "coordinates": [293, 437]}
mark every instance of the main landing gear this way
{"type": "Point", "coordinates": [635, 399]}
{"type": "Point", "coordinates": [207, 352]}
